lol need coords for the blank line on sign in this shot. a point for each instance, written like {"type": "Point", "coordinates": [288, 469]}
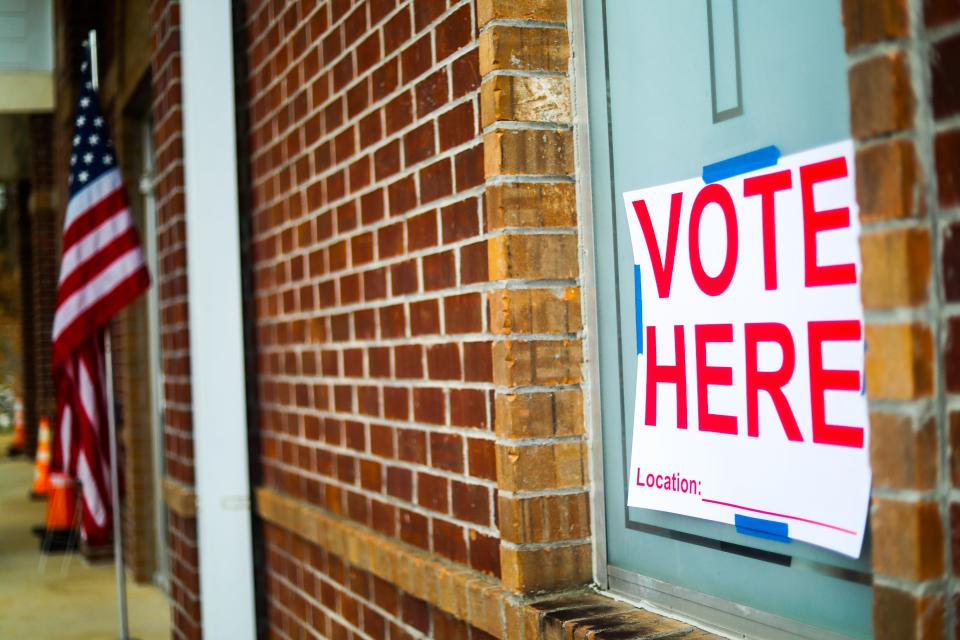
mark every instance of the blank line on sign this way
{"type": "Point", "coordinates": [780, 515]}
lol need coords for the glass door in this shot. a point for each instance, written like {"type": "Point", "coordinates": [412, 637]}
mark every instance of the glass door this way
{"type": "Point", "coordinates": [674, 86]}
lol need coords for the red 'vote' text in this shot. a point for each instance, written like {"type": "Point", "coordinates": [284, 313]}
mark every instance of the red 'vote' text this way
{"type": "Point", "coordinates": [765, 187]}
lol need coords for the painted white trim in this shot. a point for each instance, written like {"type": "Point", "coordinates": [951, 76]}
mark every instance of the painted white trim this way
{"type": "Point", "coordinates": [216, 322]}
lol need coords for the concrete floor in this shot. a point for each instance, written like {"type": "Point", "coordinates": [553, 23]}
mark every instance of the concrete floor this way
{"type": "Point", "coordinates": [69, 599]}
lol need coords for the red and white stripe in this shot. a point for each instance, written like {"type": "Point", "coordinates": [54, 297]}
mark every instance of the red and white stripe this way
{"type": "Point", "coordinates": [102, 270]}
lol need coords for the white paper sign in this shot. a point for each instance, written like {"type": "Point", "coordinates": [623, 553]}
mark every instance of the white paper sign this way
{"type": "Point", "coordinates": [750, 407]}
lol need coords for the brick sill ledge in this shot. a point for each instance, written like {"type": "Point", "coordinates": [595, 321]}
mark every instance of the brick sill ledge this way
{"type": "Point", "coordinates": [471, 596]}
{"type": "Point", "coordinates": [179, 498]}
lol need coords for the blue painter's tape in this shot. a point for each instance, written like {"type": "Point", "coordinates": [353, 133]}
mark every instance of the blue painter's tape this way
{"type": "Point", "coordinates": [638, 303]}
{"type": "Point", "coordinates": [760, 528]}
{"type": "Point", "coordinates": [863, 378]}
{"type": "Point", "coordinates": [737, 165]}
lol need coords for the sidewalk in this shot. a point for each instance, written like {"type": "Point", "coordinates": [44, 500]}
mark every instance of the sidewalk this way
{"type": "Point", "coordinates": [80, 604]}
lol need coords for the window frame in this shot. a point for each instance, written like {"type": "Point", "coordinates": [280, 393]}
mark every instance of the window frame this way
{"type": "Point", "coordinates": [683, 603]}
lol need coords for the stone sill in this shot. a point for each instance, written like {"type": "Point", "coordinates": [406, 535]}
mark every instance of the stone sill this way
{"type": "Point", "coordinates": [180, 498]}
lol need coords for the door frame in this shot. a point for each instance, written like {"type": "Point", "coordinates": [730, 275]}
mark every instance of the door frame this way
{"type": "Point", "coordinates": [706, 611]}
{"type": "Point", "coordinates": [161, 574]}
{"type": "Point", "coordinates": [583, 177]}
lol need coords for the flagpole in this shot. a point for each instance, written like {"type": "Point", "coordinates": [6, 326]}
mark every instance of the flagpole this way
{"type": "Point", "coordinates": [112, 424]}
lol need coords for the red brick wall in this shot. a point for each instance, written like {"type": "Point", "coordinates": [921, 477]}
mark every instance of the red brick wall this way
{"type": "Point", "coordinates": [171, 281]}
{"type": "Point", "coordinates": [374, 357]}
{"type": "Point", "coordinates": [905, 61]}
{"type": "Point", "coordinates": [313, 592]}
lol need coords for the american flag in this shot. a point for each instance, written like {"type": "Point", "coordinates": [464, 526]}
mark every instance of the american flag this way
{"type": "Point", "coordinates": [102, 270]}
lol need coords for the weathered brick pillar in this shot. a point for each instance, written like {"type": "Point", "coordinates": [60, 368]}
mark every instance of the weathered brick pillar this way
{"type": "Point", "coordinates": [904, 65]}
{"type": "Point", "coordinates": [533, 254]}
{"type": "Point", "coordinates": [45, 258]}
{"type": "Point", "coordinates": [28, 360]}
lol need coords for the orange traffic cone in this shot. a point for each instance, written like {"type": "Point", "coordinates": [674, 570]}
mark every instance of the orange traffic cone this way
{"type": "Point", "coordinates": [61, 503]}
{"type": "Point", "coordinates": [41, 474]}
{"type": "Point", "coordinates": [60, 531]}
{"type": "Point", "coordinates": [19, 443]}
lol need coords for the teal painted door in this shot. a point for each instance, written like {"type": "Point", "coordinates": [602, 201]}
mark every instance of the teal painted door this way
{"type": "Point", "coordinates": [675, 85]}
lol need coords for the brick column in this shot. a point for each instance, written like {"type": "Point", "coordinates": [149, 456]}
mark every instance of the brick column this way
{"type": "Point", "coordinates": [902, 85]}
{"type": "Point", "coordinates": [171, 281]}
{"type": "Point", "coordinates": [533, 256]}
{"type": "Point", "coordinates": [45, 259]}
{"type": "Point", "coordinates": [28, 372]}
